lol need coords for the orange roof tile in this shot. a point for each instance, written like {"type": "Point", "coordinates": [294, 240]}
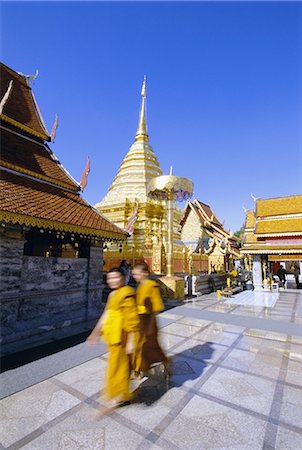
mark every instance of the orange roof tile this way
{"type": "Point", "coordinates": [279, 226]}
{"type": "Point", "coordinates": [279, 206]}
{"type": "Point", "coordinates": [33, 158]}
{"type": "Point", "coordinates": [36, 203]}
{"type": "Point", "coordinates": [26, 116]}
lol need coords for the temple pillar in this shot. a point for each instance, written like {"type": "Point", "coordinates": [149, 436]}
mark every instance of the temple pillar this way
{"type": "Point", "coordinates": [257, 272]}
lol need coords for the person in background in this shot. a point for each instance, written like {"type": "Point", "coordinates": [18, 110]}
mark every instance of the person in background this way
{"type": "Point", "coordinates": [125, 268]}
{"type": "Point", "coordinates": [296, 274]}
{"type": "Point", "coordinates": [149, 303]}
{"type": "Point", "coordinates": [281, 274]}
{"type": "Point", "coordinates": [119, 327]}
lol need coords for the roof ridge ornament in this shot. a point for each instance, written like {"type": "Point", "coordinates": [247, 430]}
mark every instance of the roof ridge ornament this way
{"type": "Point", "coordinates": [29, 77]}
{"type": "Point", "coordinates": [6, 95]}
{"type": "Point", "coordinates": [54, 128]}
{"type": "Point", "coordinates": [254, 198]}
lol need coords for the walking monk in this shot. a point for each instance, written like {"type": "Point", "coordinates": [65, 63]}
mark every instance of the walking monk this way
{"type": "Point", "coordinates": [119, 327]}
{"type": "Point", "coordinates": [149, 303]}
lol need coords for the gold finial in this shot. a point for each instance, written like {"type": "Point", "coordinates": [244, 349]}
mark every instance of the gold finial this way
{"type": "Point", "coordinates": [142, 134]}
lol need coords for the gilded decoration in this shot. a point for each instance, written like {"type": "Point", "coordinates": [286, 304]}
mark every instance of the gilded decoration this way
{"type": "Point", "coordinates": [22, 127]}
{"type": "Point", "coordinates": [39, 176]}
{"type": "Point", "coordinates": [23, 219]}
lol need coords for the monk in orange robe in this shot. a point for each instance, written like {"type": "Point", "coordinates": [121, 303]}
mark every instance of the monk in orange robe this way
{"type": "Point", "coordinates": [119, 327]}
{"type": "Point", "coordinates": [149, 303]}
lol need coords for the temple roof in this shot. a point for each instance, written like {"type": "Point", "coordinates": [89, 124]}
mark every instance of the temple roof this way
{"type": "Point", "coordinates": [203, 211]}
{"type": "Point", "coordinates": [250, 220]}
{"type": "Point", "coordinates": [279, 206]}
{"type": "Point", "coordinates": [33, 158]}
{"type": "Point", "coordinates": [280, 227]}
{"type": "Point", "coordinates": [28, 117]}
{"type": "Point", "coordinates": [276, 217]}
{"type": "Point", "coordinates": [36, 190]}
{"type": "Point", "coordinates": [207, 212]}
{"type": "Point", "coordinates": [210, 223]}
{"type": "Point", "coordinates": [33, 202]}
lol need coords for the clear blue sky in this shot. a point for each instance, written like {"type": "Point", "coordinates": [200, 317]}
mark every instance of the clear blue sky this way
{"type": "Point", "coordinates": [224, 90]}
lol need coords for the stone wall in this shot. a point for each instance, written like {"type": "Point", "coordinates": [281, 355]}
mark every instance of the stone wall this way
{"type": "Point", "coordinates": [41, 294]}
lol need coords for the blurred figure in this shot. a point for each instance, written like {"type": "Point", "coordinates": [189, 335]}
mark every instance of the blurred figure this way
{"type": "Point", "coordinates": [296, 274]}
{"type": "Point", "coordinates": [119, 327]}
{"type": "Point", "coordinates": [149, 303]}
{"type": "Point", "coordinates": [125, 268]}
{"type": "Point", "coordinates": [281, 274]}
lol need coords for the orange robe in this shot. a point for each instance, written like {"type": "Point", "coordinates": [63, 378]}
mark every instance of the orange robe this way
{"type": "Point", "coordinates": [120, 319]}
{"type": "Point", "coordinates": [149, 303]}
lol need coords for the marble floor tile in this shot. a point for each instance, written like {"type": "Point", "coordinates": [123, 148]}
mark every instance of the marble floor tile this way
{"type": "Point", "coordinates": [168, 340]}
{"type": "Point", "coordinates": [291, 409]}
{"type": "Point", "coordinates": [296, 339]}
{"type": "Point", "coordinates": [294, 373]}
{"type": "Point", "coordinates": [204, 351]}
{"type": "Point", "coordinates": [264, 346]}
{"type": "Point", "coordinates": [181, 329]}
{"type": "Point", "coordinates": [87, 378]}
{"type": "Point", "coordinates": [255, 362]}
{"type": "Point", "coordinates": [27, 410]}
{"type": "Point", "coordinates": [245, 390]}
{"type": "Point", "coordinates": [170, 315]}
{"type": "Point", "coordinates": [194, 321]}
{"type": "Point", "coordinates": [82, 431]}
{"type": "Point", "coordinates": [216, 334]}
{"type": "Point", "coordinates": [204, 424]}
{"type": "Point", "coordinates": [187, 372]}
{"type": "Point", "coordinates": [148, 416]}
{"type": "Point", "coordinates": [288, 440]}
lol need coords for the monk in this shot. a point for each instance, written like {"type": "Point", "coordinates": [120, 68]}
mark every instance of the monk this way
{"type": "Point", "coordinates": [119, 327]}
{"type": "Point", "coordinates": [149, 303]}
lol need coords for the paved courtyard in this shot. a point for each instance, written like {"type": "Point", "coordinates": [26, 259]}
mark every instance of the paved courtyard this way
{"type": "Point", "coordinates": [237, 384]}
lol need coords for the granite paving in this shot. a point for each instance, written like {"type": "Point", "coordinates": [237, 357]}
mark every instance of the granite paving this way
{"type": "Point", "coordinates": [236, 385]}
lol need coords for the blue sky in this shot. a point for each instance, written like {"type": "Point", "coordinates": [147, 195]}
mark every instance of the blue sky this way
{"type": "Point", "coordinates": [224, 90]}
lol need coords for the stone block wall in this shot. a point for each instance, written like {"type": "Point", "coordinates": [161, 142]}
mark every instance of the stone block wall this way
{"type": "Point", "coordinates": [41, 294]}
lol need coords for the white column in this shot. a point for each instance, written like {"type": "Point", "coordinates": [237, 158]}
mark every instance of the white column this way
{"type": "Point", "coordinates": [257, 272]}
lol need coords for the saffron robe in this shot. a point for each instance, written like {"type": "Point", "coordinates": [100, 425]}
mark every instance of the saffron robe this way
{"type": "Point", "coordinates": [149, 303]}
{"type": "Point", "coordinates": [120, 319]}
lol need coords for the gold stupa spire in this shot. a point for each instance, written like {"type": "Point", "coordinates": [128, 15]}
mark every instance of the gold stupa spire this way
{"type": "Point", "coordinates": [142, 134]}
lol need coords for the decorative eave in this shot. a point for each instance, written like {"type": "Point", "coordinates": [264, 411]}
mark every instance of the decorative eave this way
{"type": "Point", "coordinates": [23, 219]}
{"type": "Point", "coordinates": [292, 233]}
{"type": "Point", "coordinates": [268, 251]}
{"type": "Point", "coordinates": [22, 127]}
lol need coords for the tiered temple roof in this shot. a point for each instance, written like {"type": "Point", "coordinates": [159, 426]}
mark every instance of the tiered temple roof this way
{"type": "Point", "coordinates": [275, 227]}
{"type": "Point", "coordinates": [210, 224]}
{"type": "Point", "coordinates": [36, 190]}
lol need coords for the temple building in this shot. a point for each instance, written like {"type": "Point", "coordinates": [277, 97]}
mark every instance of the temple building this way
{"type": "Point", "coordinates": [128, 205]}
{"type": "Point", "coordinates": [273, 236]}
{"type": "Point", "coordinates": [203, 233]}
{"type": "Point", "coordinates": [51, 238]}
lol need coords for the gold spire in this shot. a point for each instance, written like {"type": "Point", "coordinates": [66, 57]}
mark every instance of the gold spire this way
{"type": "Point", "coordinates": [142, 134]}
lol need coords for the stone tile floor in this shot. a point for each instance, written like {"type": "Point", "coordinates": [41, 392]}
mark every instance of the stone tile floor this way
{"type": "Point", "coordinates": [233, 387]}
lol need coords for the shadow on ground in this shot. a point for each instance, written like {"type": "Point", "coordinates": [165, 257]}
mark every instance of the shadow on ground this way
{"type": "Point", "coordinates": [187, 365]}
